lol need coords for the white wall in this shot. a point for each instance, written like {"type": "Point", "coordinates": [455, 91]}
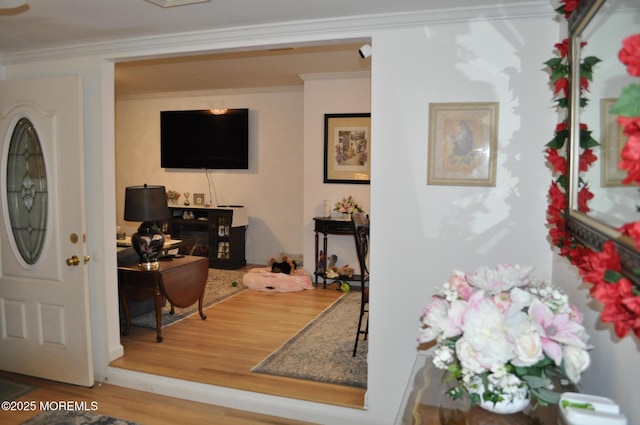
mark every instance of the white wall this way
{"type": "Point", "coordinates": [271, 189]}
{"type": "Point", "coordinates": [330, 94]}
{"type": "Point", "coordinates": [424, 232]}
{"type": "Point", "coordinates": [421, 232]}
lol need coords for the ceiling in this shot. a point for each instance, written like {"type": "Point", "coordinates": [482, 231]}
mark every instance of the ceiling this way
{"type": "Point", "coordinates": [237, 70]}
{"type": "Point", "coordinates": [45, 24]}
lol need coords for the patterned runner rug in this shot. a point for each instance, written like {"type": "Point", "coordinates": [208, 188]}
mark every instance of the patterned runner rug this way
{"type": "Point", "coordinates": [58, 417]}
{"type": "Point", "coordinates": [11, 390]}
{"type": "Point", "coordinates": [322, 351]}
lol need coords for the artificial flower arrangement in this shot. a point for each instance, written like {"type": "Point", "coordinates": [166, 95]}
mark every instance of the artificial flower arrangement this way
{"type": "Point", "coordinates": [173, 196]}
{"type": "Point", "coordinates": [347, 205]}
{"type": "Point", "coordinates": [503, 336]}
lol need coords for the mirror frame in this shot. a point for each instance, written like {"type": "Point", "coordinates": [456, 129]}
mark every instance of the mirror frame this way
{"type": "Point", "coordinates": [590, 232]}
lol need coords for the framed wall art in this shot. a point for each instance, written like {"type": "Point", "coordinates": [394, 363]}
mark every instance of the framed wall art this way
{"type": "Point", "coordinates": [198, 199]}
{"type": "Point", "coordinates": [612, 140]}
{"type": "Point", "coordinates": [347, 145]}
{"type": "Point", "coordinates": [463, 141]}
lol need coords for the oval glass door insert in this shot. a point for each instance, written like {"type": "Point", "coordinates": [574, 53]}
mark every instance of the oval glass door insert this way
{"type": "Point", "coordinates": [27, 191]}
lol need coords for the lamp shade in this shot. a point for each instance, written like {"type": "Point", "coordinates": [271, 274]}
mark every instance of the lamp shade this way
{"type": "Point", "coordinates": [145, 203]}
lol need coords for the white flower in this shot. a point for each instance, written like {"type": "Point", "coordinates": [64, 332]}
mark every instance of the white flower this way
{"type": "Point", "coordinates": [576, 361]}
{"type": "Point", "coordinates": [520, 298]}
{"type": "Point", "coordinates": [527, 344]}
{"type": "Point", "coordinates": [528, 349]}
{"type": "Point", "coordinates": [467, 356]}
{"type": "Point", "coordinates": [501, 278]}
{"type": "Point", "coordinates": [484, 329]}
{"type": "Point", "coordinates": [443, 356]}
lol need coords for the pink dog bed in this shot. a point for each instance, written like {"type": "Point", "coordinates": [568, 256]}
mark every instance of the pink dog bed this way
{"type": "Point", "coordinates": [262, 279]}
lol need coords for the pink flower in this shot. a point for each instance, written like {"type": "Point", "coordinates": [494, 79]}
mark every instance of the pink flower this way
{"type": "Point", "coordinates": [440, 318]}
{"type": "Point", "coordinates": [556, 329]}
{"type": "Point", "coordinates": [459, 283]}
{"type": "Point", "coordinates": [502, 301]}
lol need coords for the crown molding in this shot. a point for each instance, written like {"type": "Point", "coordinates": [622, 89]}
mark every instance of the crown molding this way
{"type": "Point", "coordinates": [324, 76]}
{"type": "Point", "coordinates": [352, 28]}
{"type": "Point", "coordinates": [204, 93]}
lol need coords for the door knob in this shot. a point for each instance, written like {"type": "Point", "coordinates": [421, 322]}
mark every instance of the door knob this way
{"type": "Point", "coordinates": [87, 258]}
{"type": "Point", "coordinates": [73, 261]}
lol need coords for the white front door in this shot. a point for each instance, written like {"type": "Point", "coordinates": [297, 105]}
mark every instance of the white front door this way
{"type": "Point", "coordinates": [44, 295]}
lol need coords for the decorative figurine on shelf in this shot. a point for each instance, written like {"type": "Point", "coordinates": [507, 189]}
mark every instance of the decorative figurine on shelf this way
{"type": "Point", "coordinates": [333, 259]}
{"type": "Point", "coordinates": [322, 263]}
{"type": "Point", "coordinates": [186, 198]}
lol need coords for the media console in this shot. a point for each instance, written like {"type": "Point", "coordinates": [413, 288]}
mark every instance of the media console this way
{"type": "Point", "coordinates": [216, 233]}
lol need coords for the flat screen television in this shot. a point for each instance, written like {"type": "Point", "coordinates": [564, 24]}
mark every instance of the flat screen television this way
{"type": "Point", "coordinates": [204, 139]}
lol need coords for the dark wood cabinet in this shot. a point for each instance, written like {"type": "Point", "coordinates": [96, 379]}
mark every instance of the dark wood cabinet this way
{"type": "Point", "coordinates": [216, 233]}
{"type": "Point", "coordinates": [330, 226]}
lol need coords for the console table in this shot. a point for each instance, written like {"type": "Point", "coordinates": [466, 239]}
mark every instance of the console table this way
{"type": "Point", "coordinates": [181, 280]}
{"type": "Point", "coordinates": [330, 226]}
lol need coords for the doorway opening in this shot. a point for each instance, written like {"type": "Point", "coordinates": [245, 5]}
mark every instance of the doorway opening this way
{"type": "Point", "coordinates": [223, 80]}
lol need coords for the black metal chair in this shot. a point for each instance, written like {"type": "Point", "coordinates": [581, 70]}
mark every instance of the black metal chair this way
{"type": "Point", "coordinates": [361, 235]}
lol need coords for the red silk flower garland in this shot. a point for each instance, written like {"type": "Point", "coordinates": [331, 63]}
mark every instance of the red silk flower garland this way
{"type": "Point", "coordinates": [603, 270]}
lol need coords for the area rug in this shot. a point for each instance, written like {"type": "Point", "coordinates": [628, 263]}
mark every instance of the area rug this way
{"type": "Point", "coordinates": [11, 389]}
{"type": "Point", "coordinates": [322, 350]}
{"type": "Point", "coordinates": [220, 286]}
{"type": "Point", "coordinates": [59, 417]}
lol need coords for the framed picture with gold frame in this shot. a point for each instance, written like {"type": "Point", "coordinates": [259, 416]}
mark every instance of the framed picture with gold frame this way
{"type": "Point", "coordinates": [347, 146]}
{"type": "Point", "coordinates": [198, 199]}
{"type": "Point", "coordinates": [463, 142]}
{"type": "Point", "coordinates": [612, 140]}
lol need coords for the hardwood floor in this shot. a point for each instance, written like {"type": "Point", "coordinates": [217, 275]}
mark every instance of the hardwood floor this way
{"type": "Point", "coordinates": [132, 405]}
{"type": "Point", "coordinates": [237, 334]}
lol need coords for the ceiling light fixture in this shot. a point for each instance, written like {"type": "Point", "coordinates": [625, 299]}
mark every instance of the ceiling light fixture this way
{"type": "Point", "coordinates": [173, 3]}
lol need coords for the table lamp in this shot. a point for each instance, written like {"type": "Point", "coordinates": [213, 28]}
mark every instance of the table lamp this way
{"type": "Point", "coordinates": [147, 204]}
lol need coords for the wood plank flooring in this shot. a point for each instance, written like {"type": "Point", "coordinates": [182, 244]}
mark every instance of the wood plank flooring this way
{"type": "Point", "coordinates": [136, 406]}
{"type": "Point", "coordinates": [237, 334]}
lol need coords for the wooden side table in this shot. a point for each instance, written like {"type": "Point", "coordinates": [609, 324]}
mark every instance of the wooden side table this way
{"type": "Point", "coordinates": [181, 280]}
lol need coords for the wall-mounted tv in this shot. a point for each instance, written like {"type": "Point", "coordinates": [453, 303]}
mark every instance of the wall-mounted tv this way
{"type": "Point", "coordinates": [205, 139]}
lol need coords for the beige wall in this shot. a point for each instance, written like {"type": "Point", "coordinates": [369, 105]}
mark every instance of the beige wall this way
{"type": "Point", "coordinates": [330, 94]}
{"type": "Point", "coordinates": [271, 189]}
{"type": "Point", "coordinates": [286, 151]}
